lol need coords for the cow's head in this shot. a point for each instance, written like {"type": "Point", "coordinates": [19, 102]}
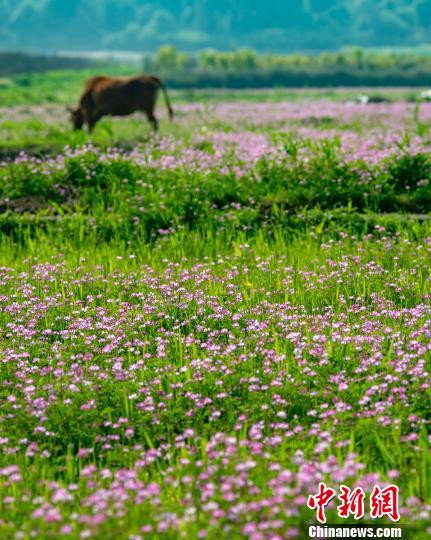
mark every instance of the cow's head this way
{"type": "Point", "coordinates": [76, 117]}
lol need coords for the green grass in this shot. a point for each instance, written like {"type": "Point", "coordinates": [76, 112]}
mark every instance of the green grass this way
{"type": "Point", "coordinates": [108, 274]}
{"type": "Point", "coordinates": [64, 87]}
{"type": "Point", "coordinates": [121, 198]}
{"type": "Point", "coordinates": [33, 114]}
{"type": "Point", "coordinates": [279, 308]}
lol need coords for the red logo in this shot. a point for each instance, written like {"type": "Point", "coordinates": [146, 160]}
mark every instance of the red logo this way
{"type": "Point", "coordinates": [352, 502]}
{"type": "Point", "coordinates": [321, 500]}
{"type": "Point", "coordinates": [383, 502]}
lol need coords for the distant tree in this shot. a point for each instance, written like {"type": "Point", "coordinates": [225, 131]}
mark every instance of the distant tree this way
{"type": "Point", "coordinates": [207, 59]}
{"type": "Point", "coordinates": [244, 59]}
{"type": "Point", "coordinates": [169, 58]}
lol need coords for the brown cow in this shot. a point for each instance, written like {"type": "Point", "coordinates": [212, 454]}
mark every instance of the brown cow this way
{"type": "Point", "coordinates": [118, 96]}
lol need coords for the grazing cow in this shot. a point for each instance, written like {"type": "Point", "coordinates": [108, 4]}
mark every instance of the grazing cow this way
{"type": "Point", "coordinates": [118, 96]}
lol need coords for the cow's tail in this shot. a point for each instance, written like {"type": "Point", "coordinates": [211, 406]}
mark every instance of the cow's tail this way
{"type": "Point", "coordinates": [165, 93]}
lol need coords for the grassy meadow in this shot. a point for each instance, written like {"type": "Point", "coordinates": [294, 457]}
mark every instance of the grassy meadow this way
{"type": "Point", "coordinates": [198, 326]}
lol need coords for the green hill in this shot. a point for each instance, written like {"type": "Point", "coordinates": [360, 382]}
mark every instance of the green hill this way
{"type": "Point", "coordinates": [279, 26]}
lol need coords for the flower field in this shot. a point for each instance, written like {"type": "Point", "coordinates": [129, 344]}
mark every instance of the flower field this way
{"type": "Point", "coordinates": [197, 329]}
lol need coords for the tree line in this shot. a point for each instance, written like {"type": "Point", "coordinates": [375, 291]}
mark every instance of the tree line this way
{"type": "Point", "coordinates": [245, 68]}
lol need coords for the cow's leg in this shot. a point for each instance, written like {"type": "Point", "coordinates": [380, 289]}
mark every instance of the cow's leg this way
{"type": "Point", "coordinates": [153, 120]}
{"type": "Point", "coordinates": [92, 120]}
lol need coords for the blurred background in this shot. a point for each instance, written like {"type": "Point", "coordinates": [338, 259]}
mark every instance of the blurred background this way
{"type": "Point", "coordinates": [222, 43]}
{"type": "Point", "coordinates": [277, 26]}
